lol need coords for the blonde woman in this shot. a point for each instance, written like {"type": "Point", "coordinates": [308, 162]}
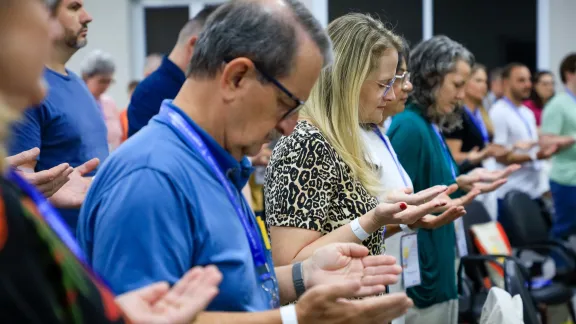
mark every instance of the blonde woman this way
{"type": "Point", "coordinates": [319, 186]}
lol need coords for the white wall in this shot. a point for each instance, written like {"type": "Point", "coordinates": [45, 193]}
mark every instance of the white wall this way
{"type": "Point", "coordinates": [562, 33]}
{"type": "Point", "coordinates": [110, 32]}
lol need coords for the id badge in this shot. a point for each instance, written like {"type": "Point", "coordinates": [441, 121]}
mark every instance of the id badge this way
{"type": "Point", "coordinates": [460, 237]}
{"type": "Point", "coordinates": [260, 175]}
{"type": "Point", "coordinates": [409, 259]}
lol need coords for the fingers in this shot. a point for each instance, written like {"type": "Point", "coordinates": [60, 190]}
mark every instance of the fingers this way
{"type": "Point", "coordinates": [387, 212]}
{"type": "Point", "coordinates": [353, 250]}
{"type": "Point", "coordinates": [332, 292]}
{"type": "Point", "coordinates": [374, 261]}
{"type": "Point", "coordinates": [489, 187]}
{"type": "Point", "coordinates": [376, 289]}
{"type": "Point", "coordinates": [446, 217]}
{"type": "Point", "coordinates": [451, 189]}
{"type": "Point", "coordinates": [88, 166]}
{"type": "Point", "coordinates": [48, 179]}
{"type": "Point", "coordinates": [412, 215]}
{"type": "Point", "coordinates": [24, 157]}
{"type": "Point", "coordinates": [386, 269]}
{"type": "Point", "coordinates": [471, 195]}
{"type": "Point", "coordinates": [152, 293]}
{"type": "Point", "coordinates": [426, 195]}
{"type": "Point", "coordinates": [408, 190]}
{"type": "Point", "coordinates": [386, 307]}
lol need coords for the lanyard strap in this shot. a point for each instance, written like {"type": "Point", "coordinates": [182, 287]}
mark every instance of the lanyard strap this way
{"type": "Point", "coordinates": [478, 121]}
{"type": "Point", "coordinates": [519, 114]}
{"type": "Point", "coordinates": [447, 155]}
{"type": "Point", "coordinates": [167, 114]}
{"type": "Point", "coordinates": [392, 153]}
{"type": "Point", "coordinates": [54, 221]}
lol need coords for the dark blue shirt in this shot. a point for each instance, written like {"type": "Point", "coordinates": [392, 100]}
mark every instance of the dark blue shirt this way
{"type": "Point", "coordinates": [156, 209]}
{"type": "Point", "coordinates": [68, 127]}
{"type": "Point", "coordinates": [164, 83]}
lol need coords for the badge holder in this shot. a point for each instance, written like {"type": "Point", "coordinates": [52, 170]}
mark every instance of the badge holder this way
{"type": "Point", "coordinates": [409, 260]}
{"type": "Point", "coordinates": [461, 238]}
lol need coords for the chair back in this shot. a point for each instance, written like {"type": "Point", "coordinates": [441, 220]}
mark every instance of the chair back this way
{"type": "Point", "coordinates": [525, 223]}
{"type": "Point", "coordinates": [515, 284]}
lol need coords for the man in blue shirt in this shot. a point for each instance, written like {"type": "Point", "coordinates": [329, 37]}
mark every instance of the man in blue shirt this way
{"type": "Point", "coordinates": [68, 126]}
{"type": "Point", "coordinates": [170, 198]}
{"type": "Point", "coordinates": [166, 81]}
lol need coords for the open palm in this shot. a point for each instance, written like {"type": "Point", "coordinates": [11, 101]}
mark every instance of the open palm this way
{"type": "Point", "coordinates": [72, 194]}
{"type": "Point", "coordinates": [339, 262]}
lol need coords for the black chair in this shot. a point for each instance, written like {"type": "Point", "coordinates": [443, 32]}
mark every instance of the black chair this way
{"type": "Point", "coordinates": [527, 228]}
{"type": "Point", "coordinates": [476, 273]}
{"type": "Point", "coordinates": [515, 283]}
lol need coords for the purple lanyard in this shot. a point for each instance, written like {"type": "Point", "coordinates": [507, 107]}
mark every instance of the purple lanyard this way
{"type": "Point", "coordinates": [476, 118]}
{"type": "Point", "coordinates": [167, 114]}
{"type": "Point", "coordinates": [519, 114]}
{"type": "Point", "coordinates": [52, 218]}
{"type": "Point", "coordinates": [447, 155]}
{"type": "Point", "coordinates": [571, 94]}
{"type": "Point", "coordinates": [392, 153]}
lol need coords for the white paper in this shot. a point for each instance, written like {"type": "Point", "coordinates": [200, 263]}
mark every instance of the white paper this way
{"type": "Point", "coordinates": [410, 263]}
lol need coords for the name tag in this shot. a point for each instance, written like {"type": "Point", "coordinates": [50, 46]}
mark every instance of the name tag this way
{"type": "Point", "coordinates": [460, 237]}
{"type": "Point", "coordinates": [409, 260]}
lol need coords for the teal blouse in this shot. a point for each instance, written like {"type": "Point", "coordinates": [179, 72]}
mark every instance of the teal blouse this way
{"type": "Point", "coordinates": [425, 160]}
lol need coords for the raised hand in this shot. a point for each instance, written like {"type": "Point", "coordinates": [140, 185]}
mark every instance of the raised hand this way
{"type": "Point", "coordinates": [525, 145]}
{"type": "Point", "coordinates": [460, 201]}
{"type": "Point", "coordinates": [72, 194]}
{"type": "Point", "coordinates": [159, 304]}
{"type": "Point", "coordinates": [327, 304]}
{"type": "Point", "coordinates": [547, 152]}
{"type": "Point", "coordinates": [497, 151]}
{"type": "Point", "coordinates": [406, 195]}
{"type": "Point", "coordinates": [433, 222]}
{"type": "Point", "coordinates": [339, 262]}
{"type": "Point", "coordinates": [48, 181]}
{"type": "Point", "coordinates": [476, 155]}
{"type": "Point", "coordinates": [402, 213]}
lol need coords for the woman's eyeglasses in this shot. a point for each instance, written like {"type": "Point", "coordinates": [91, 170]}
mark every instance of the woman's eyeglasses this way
{"type": "Point", "coordinates": [403, 79]}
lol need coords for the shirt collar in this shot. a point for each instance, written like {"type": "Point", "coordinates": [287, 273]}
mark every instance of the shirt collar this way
{"type": "Point", "coordinates": [238, 172]}
{"type": "Point", "coordinates": [172, 70]}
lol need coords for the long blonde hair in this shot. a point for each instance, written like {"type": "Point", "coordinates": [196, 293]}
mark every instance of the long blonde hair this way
{"type": "Point", "coordinates": [359, 41]}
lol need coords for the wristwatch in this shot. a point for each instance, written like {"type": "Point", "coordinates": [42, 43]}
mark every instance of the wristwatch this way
{"type": "Point", "coordinates": [298, 279]}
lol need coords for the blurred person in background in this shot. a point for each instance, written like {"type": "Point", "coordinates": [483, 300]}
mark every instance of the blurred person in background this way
{"type": "Point", "coordinates": [153, 62]}
{"type": "Point", "coordinates": [131, 87]}
{"type": "Point", "coordinates": [515, 127]}
{"type": "Point", "coordinates": [470, 142]}
{"type": "Point", "coordinates": [168, 78]}
{"type": "Point", "coordinates": [559, 118]}
{"type": "Point", "coordinates": [97, 71]}
{"type": "Point", "coordinates": [440, 68]}
{"type": "Point", "coordinates": [320, 188]}
{"type": "Point", "coordinates": [495, 88]}
{"type": "Point", "coordinates": [124, 113]}
{"type": "Point", "coordinates": [169, 198]}
{"type": "Point", "coordinates": [67, 126]}
{"type": "Point", "coordinates": [542, 92]}
{"type": "Point", "coordinates": [44, 279]}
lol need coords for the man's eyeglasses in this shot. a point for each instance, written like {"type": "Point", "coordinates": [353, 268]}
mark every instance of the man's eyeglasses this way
{"type": "Point", "coordinates": [297, 102]}
{"type": "Point", "coordinates": [404, 79]}
{"type": "Point", "coordinates": [387, 86]}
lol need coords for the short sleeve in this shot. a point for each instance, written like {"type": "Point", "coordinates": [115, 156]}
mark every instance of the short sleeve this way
{"type": "Point", "coordinates": [299, 182]}
{"type": "Point", "coordinates": [499, 121]}
{"type": "Point", "coordinates": [27, 132]}
{"type": "Point", "coordinates": [137, 234]}
{"type": "Point", "coordinates": [552, 118]}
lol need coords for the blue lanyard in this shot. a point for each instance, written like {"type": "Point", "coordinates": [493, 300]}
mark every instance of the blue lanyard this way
{"type": "Point", "coordinates": [447, 154]}
{"type": "Point", "coordinates": [517, 111]}
{"type": "Point", "coordinates": [256, 247]}
{"type": "Point", "coordinates": [476, 118]}
{"type": "Point", "coordinates": [392, 153]}
{"type": "Point", "coordinates": [52, 218]}
{"type": "Point", "coordinates": [571, 94]}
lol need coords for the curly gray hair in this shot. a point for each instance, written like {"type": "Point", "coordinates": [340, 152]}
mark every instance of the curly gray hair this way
{"type": "Point", "coordinates": [429, 63]}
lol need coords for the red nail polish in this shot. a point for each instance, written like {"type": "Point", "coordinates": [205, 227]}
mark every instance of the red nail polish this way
{"type": "Point", "coordinates": [403, 206]}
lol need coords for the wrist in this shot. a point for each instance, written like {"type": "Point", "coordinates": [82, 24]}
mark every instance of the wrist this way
{"type": "Point", "coordinates": [288, 314]}
{"type": "Point", "coordinates": [370, 222]}
{"type": "Point", "coordinates": [306, 271]}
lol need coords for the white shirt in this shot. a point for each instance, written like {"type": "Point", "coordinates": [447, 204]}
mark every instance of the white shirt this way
{"type": "Point", "coordinates": [513, 125]}
{"type": "Point", "coordinates": [391, 179]}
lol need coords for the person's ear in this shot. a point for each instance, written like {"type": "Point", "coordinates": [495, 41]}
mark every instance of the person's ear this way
{"type": "Point", "coordinates": [190, 44]}
{"type": "Point", "coordinates": [236, 72]}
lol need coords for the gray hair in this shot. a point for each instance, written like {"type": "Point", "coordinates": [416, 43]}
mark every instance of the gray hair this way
{"type": "Point", "coordinates": [97, 62]}
{"type": "Point", "coordinates": [429, 63]}
{"type": "Point", "coordinates": [248, 29]}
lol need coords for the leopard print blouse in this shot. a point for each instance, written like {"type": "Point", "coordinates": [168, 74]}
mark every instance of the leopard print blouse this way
{"type": "Point", "coordinates": [309, 186]}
